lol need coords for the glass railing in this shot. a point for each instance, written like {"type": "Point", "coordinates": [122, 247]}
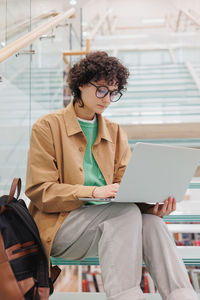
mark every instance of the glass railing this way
{"type": "Point", "coordinates": [15, 20]}
{"type": "Point", "coordinates": [18, 18]}
{"type": "Point", "coordinates": [2, 24]}
{"type": "Point", "coordinates": [31, 86]}
{"type": "Point", "coordinates": [14, 119]}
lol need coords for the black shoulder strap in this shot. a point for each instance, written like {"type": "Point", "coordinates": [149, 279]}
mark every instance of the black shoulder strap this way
{"type": "Point", "coordinates": [29, 222]}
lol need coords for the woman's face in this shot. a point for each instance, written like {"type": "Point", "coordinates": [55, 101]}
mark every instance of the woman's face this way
{"type": "Point", "coordinates": [92, 103]}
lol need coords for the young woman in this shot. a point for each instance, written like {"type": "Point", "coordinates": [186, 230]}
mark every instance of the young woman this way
{"type": "Point", "coordinates": [75, 152]}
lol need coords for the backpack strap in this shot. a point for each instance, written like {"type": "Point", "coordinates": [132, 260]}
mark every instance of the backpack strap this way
{"type": "Point", "coordinates": [16, 184]}
{"type": "Point", "coordinates": [29, 222]}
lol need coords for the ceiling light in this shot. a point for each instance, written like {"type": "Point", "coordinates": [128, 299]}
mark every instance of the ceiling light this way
{"type": "Point", "coordinates": [153, 21]}
{"type": "Point", "coordinates": [72, 2]}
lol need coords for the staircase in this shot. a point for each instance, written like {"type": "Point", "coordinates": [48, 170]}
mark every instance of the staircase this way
{"type": "Point", "coordinates": [158, 95]}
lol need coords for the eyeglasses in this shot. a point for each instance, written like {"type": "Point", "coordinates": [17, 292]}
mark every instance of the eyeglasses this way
{"type": "Point", "coordinates": [102, 91]}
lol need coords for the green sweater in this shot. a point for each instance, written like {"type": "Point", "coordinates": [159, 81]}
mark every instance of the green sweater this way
{"type": "Point", "coordinates": [92, 173]}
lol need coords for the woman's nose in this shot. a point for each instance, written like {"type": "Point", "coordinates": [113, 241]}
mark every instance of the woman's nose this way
{"type": "Point", "coordinates": [106, 99]}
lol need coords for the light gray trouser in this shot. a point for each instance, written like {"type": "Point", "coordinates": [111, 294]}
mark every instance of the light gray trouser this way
{"type": "Point", "coordinates": [123, 237]}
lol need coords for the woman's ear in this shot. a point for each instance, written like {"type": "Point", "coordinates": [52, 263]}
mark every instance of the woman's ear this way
{"type": "Point", "coordinates": [80, 88]}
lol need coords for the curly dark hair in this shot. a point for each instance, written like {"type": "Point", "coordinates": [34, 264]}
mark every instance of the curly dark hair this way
{"type": "Point", "coordinates": [94, 67]}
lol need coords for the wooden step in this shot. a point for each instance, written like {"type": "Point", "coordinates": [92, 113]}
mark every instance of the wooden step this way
{"type": "Point", "coordinates": [162, 131]}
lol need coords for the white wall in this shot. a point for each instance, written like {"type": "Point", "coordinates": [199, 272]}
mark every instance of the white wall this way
{"type": "Point", "coordinates": [187, 4]}
{"type": "Point", "coordinates": [131, 11]}
{"type": "Point", "coordinates": [93, 7]}
{"type": "Point", "coordinates": [150, 8]}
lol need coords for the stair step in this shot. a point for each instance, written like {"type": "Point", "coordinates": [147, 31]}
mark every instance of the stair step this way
{"type": "Point", "coordinates": [93, 296]}
{"type": "Point", "coordinates": [189, 254]}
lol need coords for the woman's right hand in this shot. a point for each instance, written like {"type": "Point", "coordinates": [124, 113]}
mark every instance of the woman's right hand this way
{"type": "Point", "coordinates": [106, 191]}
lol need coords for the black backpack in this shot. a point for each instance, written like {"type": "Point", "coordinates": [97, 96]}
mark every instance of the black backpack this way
{"type": "Point", "coordinates": [23, 263]}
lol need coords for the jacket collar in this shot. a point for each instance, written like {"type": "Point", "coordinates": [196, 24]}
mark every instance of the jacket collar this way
{"type": "Point", "coordinates": [73, 127]}
{"type": "Point", "coordinates": [71, 121]}
{"type": "Point", "coordinates": [103, 132]}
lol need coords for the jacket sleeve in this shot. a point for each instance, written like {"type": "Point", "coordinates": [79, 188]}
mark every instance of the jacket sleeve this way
{"type": "Point", "coordinates": [42, 178]}
{"type": "Point", "coordinates": [122, 155]}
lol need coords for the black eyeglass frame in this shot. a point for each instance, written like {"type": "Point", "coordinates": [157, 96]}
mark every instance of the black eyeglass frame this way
{"type": "Point", "coordinates": [108, 91]}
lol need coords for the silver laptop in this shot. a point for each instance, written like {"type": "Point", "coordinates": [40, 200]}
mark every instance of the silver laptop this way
{"type": "Point", "coordinates": [156, 172]}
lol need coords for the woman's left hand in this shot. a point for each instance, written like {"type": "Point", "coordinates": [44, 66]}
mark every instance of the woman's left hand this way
{"type": "Point", "coordinates": [164, 209]}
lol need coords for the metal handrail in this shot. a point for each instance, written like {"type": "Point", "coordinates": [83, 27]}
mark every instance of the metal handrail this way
{"type": "Point", "coordinates": [27, 39]}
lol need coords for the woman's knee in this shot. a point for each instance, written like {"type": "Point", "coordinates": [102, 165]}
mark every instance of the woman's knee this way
{"type": "Point", "coordinates": [127, 213]}
{"type": "Point", "coordinates": [152, 223]}
{"type": "Point", "coordinates": [133, 215]}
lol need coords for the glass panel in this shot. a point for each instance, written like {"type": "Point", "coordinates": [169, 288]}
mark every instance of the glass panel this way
{"type": "Point", "coordinates": [42, 12]}
{"type": "Point", "coordinates": [2, 23]}
{"type": "Point", "coordinates": [32, 85]}
{"type": "Point", "coordinates": [18, 14]}
{"type": "Point", "coordinates": [14, 118]}
{"type": "Point", "coordinates": [47, 72]}
{"type": "Point", "coordinates": [18, 18]}
{"type": "Point", "coordinates": [76, 30]}
{"type": "Point", "coordinates": [76, 45]}
{"type": "Point", "coordinates": [75, 41]}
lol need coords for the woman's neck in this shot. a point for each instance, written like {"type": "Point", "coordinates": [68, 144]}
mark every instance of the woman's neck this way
{"type": "Point", "coordinates": [83, 113]}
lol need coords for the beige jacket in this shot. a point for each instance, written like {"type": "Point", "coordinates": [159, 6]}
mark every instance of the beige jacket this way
{"type": "Point", "coordinates": [55, 176]}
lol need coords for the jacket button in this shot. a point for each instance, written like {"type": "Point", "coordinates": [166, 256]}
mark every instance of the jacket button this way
{"type": "Point", "coordinates": [62, 214]}
{"type": "Point", "coordinates": [48, 240]}
{"type": "Point", "coordinates": [81, 169]}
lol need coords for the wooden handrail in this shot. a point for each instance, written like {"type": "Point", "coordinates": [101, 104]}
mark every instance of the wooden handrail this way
{"type": "Point", "coordinates": [16, 27]}
{"type": "Point", "coordinates": [180, 13]}
{"type": "Point", "coordinates": [79, 52]}
{"type": "Point", "coordinates": [99, 24]}
{"type": "Point", "coordinates": [85, 27]}
{"type": "Point", "coordinates": [189, 16]}
{"type": "Point", "coordinates": [89, 39]}
{"type": "Point", "coordinates": [27, 39]}
{"type": "Point", "coordinates": [169, 22]}
{"type": "Point", "coordinates": [195, 12]}
{"type": "Point", "coordinates": [193, 74]}
{"type": "Point", "coordinates": [71, 53]}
